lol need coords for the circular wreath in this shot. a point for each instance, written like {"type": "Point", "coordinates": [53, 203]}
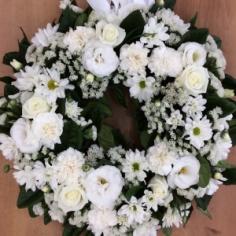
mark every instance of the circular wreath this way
{"type": "Point", "coordinates": [72, 166]}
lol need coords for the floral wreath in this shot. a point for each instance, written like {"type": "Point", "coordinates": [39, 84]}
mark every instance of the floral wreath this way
{"type": "Point", "coordinates": [73, 167]}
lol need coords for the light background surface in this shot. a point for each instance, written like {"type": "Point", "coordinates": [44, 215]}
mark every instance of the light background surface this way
{"type": "Point", "coordinates": [218, 15]}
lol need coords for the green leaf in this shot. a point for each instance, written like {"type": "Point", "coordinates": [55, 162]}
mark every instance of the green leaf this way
{"type": "Point", "coordinates": [225, 165]}
{"type": "Point", "coordinates": [106, 137]}
{"type": "Point", "coordinates": [72, 136]}
{"type": "Point", "coordinates": [229, 82]}
{"type": "Point", "coordinates": [67, 20]}
{"type": "Point", "coordinates": [119, 94]}
{"type": "Point", "coordinates": [230, 175]}
{"type": "Point", "coordinates": [28, 198]}
{"type": "Point", "coordinates": [82, 19]}
{"type": "Point", "coordinates": [232, 134]}
{"type": "Point", "coordinates": [193, 21]}
{"type": "Point", "coordinates": [7, 79]}
{"type": "Point", "coordinates": [228, 106]}
{"type": "Point", "coordinates": [70, 230]}
{"type": "Point", "coordinates": [218, 41]}
{"type": "Point", "coordinates": [133, 191]}
{"type": "Point", "coordinates": [170, 4]}
{"type": "Point", "coordinates": [145, 139]}
{"type": "Point", "coordinates": [10, 90]}
{"type": "Point", "coordinates": [167, 231]}
{"type": "Point", "coordinates": [204, 173]}
{"type": "Point", "coordinates": [31, 212]}
{"type": "Point", "coordinates": [10, 56]}
{"type": "Point", "coordinates": [46, 218]}
{"type": "Point", "coordinates": [133, 26]}
{"type": "Point", "coordinates": [196, 35]}
{"type": "Point", "coordinates": [203, 203]}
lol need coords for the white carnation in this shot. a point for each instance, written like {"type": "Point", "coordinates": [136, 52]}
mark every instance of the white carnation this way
{"type": "Point", "coordinates": [103, 186]}
{"type": "Point", "coordinates": [8, 147]}
{"type": "Point", "coordinates": [100, 59]}
{"type": "Point", "coordinates": [166, 61]}
{"type": "Point", "coordinates": [48, 127]}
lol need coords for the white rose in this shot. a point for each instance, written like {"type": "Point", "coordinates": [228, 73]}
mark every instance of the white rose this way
{"type": "Point", "coordinates": [48, 127]}
{"type": "Point", "coordinates": [100, 59]}
{"type": "Point", "coordinates": [103, 186]}
{"type": "Point", "coordinates": [193, 54]}
{"type": "Point", "coordinates": [101, 220]}
{"type": "Point", "coordinates": [8, 147]}
{"type": "Point", "coordinates": [26, 141]}
{"type": "Point", "coordinates": [194, 79]}
{"type": "Point", "coordinates": [166, 61]}
{"type": "Point", "coordinates": [77, 39]}
{"type": "Point", "coordinates": [71, 198]}
{"type": "Point", "coordinates": [34, 106]}
{"type": "Point", "coordinates": [185, 173]}
{"type": "Point", "coordinates": [110, 33]}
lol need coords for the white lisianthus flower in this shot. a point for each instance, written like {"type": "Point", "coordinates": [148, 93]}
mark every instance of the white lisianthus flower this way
{"type": "Point", "coordinates": [100, 59]}
{"type": "Point", "coordinates": [76, 39]}
{"type": "Point", "coordinates": [135, 166]}
{"type": "Point", "coordinates": [34, 106]}
{"type": "Point", "coordinates": [70, 197]}
{"type": "Point", "coordinates": [160, 159]}
{"type": "Point", "coordinates": [101, 221]}
{"type": "Point", "coordinates": [67, 168]}
{"type": "Point", "coordinates": [117, 10]}
{"type": "Point", "coordinates": [134, 58]}
{"type": "Point", "coordinates": [134, 212]}
{"type": "Point", "coordinates": [194, 79]}
{"type": "Point", "coordinates": [103, 186]}
{"type": "Point", "coordinates": [109, 33]}
{"type": "Point", "coordinates": [160, 190]}
{"type": "Point", "coordinates": [8, 147]}
{"type": "Point", "coordinates": [27, 79]}
{"type": "Point", "coordinates": [26, 140]}
{"type": "Point", "coordinates": [198, 130]}
{"type": "Point", "coordinates": [166, 61]}
{"type": "Point", "coordinates": [154, 33]}
{"type": "Point", "coordinates": [44, 37]}
{"type": "Point", "coordinates": [141, 88]}
{"type": "Point", "coordinates": [51, 86]}
{"type": "Point", "coordinates": [193, 54]}
{"type": "Point", "coordinates": [185, 172]}
{"type": "Point", "coordinates": [148, 229]}
{"type": "Point", "coordinates": [48, 127]}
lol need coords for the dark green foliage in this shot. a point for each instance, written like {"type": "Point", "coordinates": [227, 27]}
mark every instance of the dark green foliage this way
{"type": "Point", "coordinates": [193, 21]}
{"type": "Point", "coordinates": [230, 175]}
{"type": "Point", "coordinates": [6, 79]}
{"type": "Point", "coordinates": [10, 90]}
{"type": "Point", "coordinates": [229, 82]}
{"type": "Point", "coordinates": [106, 137]}
{"type": "Point", "coordinates": [170, 4]}
{"type": "Point", "coordinates": [133, 191]}
{"type": "Point", "coordinates": [202, 203]}
{"type": "Point", "coordinates": [70, 230]}
{"type": "Point", "coordinates": [204, 173]}
{"type": "Point", "coordinates": [118, 93]}
{"type": "Point", "coordinates": [196, 35]}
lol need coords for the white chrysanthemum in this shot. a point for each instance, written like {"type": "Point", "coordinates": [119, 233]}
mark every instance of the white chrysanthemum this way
{"type": "Point", "coordinates": [141, 88]}
{"type": "Point", "coordinates": [172, 20]}
{"type": "Point", "coordinates": [70, 197]}
{"type": "Point", "coordinates": [8, 147]}
{"type": "Point", "coordinates": [28, 78]}
{"type": "Point", "coordinates": [44, 37]}
{"type": "Point", "coordinates": [103, 186]}
{"type": "Point", "coordinates": [172, 218]}
{"type": "Point", "coordinates": [220, 149]}
{"type": "Point", "coordinates": [100, 221]}
{"type": "Point", "coordinates": [76, 39]}
{"type": "Point", "coordinates": [73, 111]}
{"type": "Point", "coordinates": [109, 33]}
{"type": "Point", "coordinates": [166, 61]}
{"type": "Point", "coordinates": [135, 166]}
{"type": "Point", "coordinates": [134, 212]}
{"type": "Point", "coordinates": [160, 159]}
{"type": "Point", "coordinates": [100, 59]}
{"type": "Point", "coordinates": [193, 54]}
{"type": "Point", "coordinates": [147, 229]}
{"type": "Point", "coordinates": [198, 130]}
{"type": "Point", "coordinates": [117, 10]}
{"type": "Point", "coordinates": [34, 106]}
{"type": "Point", "coordinates": [48, 127]}
{"type": "Point", "coordinates": [154, 33]}
{"type": "Point", "coordinates": [134, 58]}
{"type": "Point", "coordinates": [67, 168]}
{"type": "Point", "coordinates": [185, 172]}
{"type": "Point", "coordinates": [217, 85]}
{"type": "Point", "coordinates": [25, 139]}
{"type": "Point", "coordinates": [194, 79]}
{"type": "Point", "coordinates": [51, 86]}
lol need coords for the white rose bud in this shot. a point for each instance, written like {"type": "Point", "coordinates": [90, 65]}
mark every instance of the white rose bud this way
{"type": "Point", "coordinates": [110, 33]}
{"type": "Point", "coordinates": [16, 64]}
{"type": "Point", "coordinates": [34, 106]}
{"type": "Point", "coordinates": [194, 79]}
{"type": "Point", "coordinates": [71, 198]}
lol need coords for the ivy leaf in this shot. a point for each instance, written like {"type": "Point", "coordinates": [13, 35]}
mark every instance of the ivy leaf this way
{"type": "Point", "coordinates": [28, 198]}
{"type": "Point", "coordinates": [106, 138]}
{"type": "Point", "coordinates": [196, 35]}
{"type": "Point", "coordinates": [204, 173]}
{"type": "Point", "coordinates": [133, 25]}
{"type": "Point", "coordinates": [230, 175]}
